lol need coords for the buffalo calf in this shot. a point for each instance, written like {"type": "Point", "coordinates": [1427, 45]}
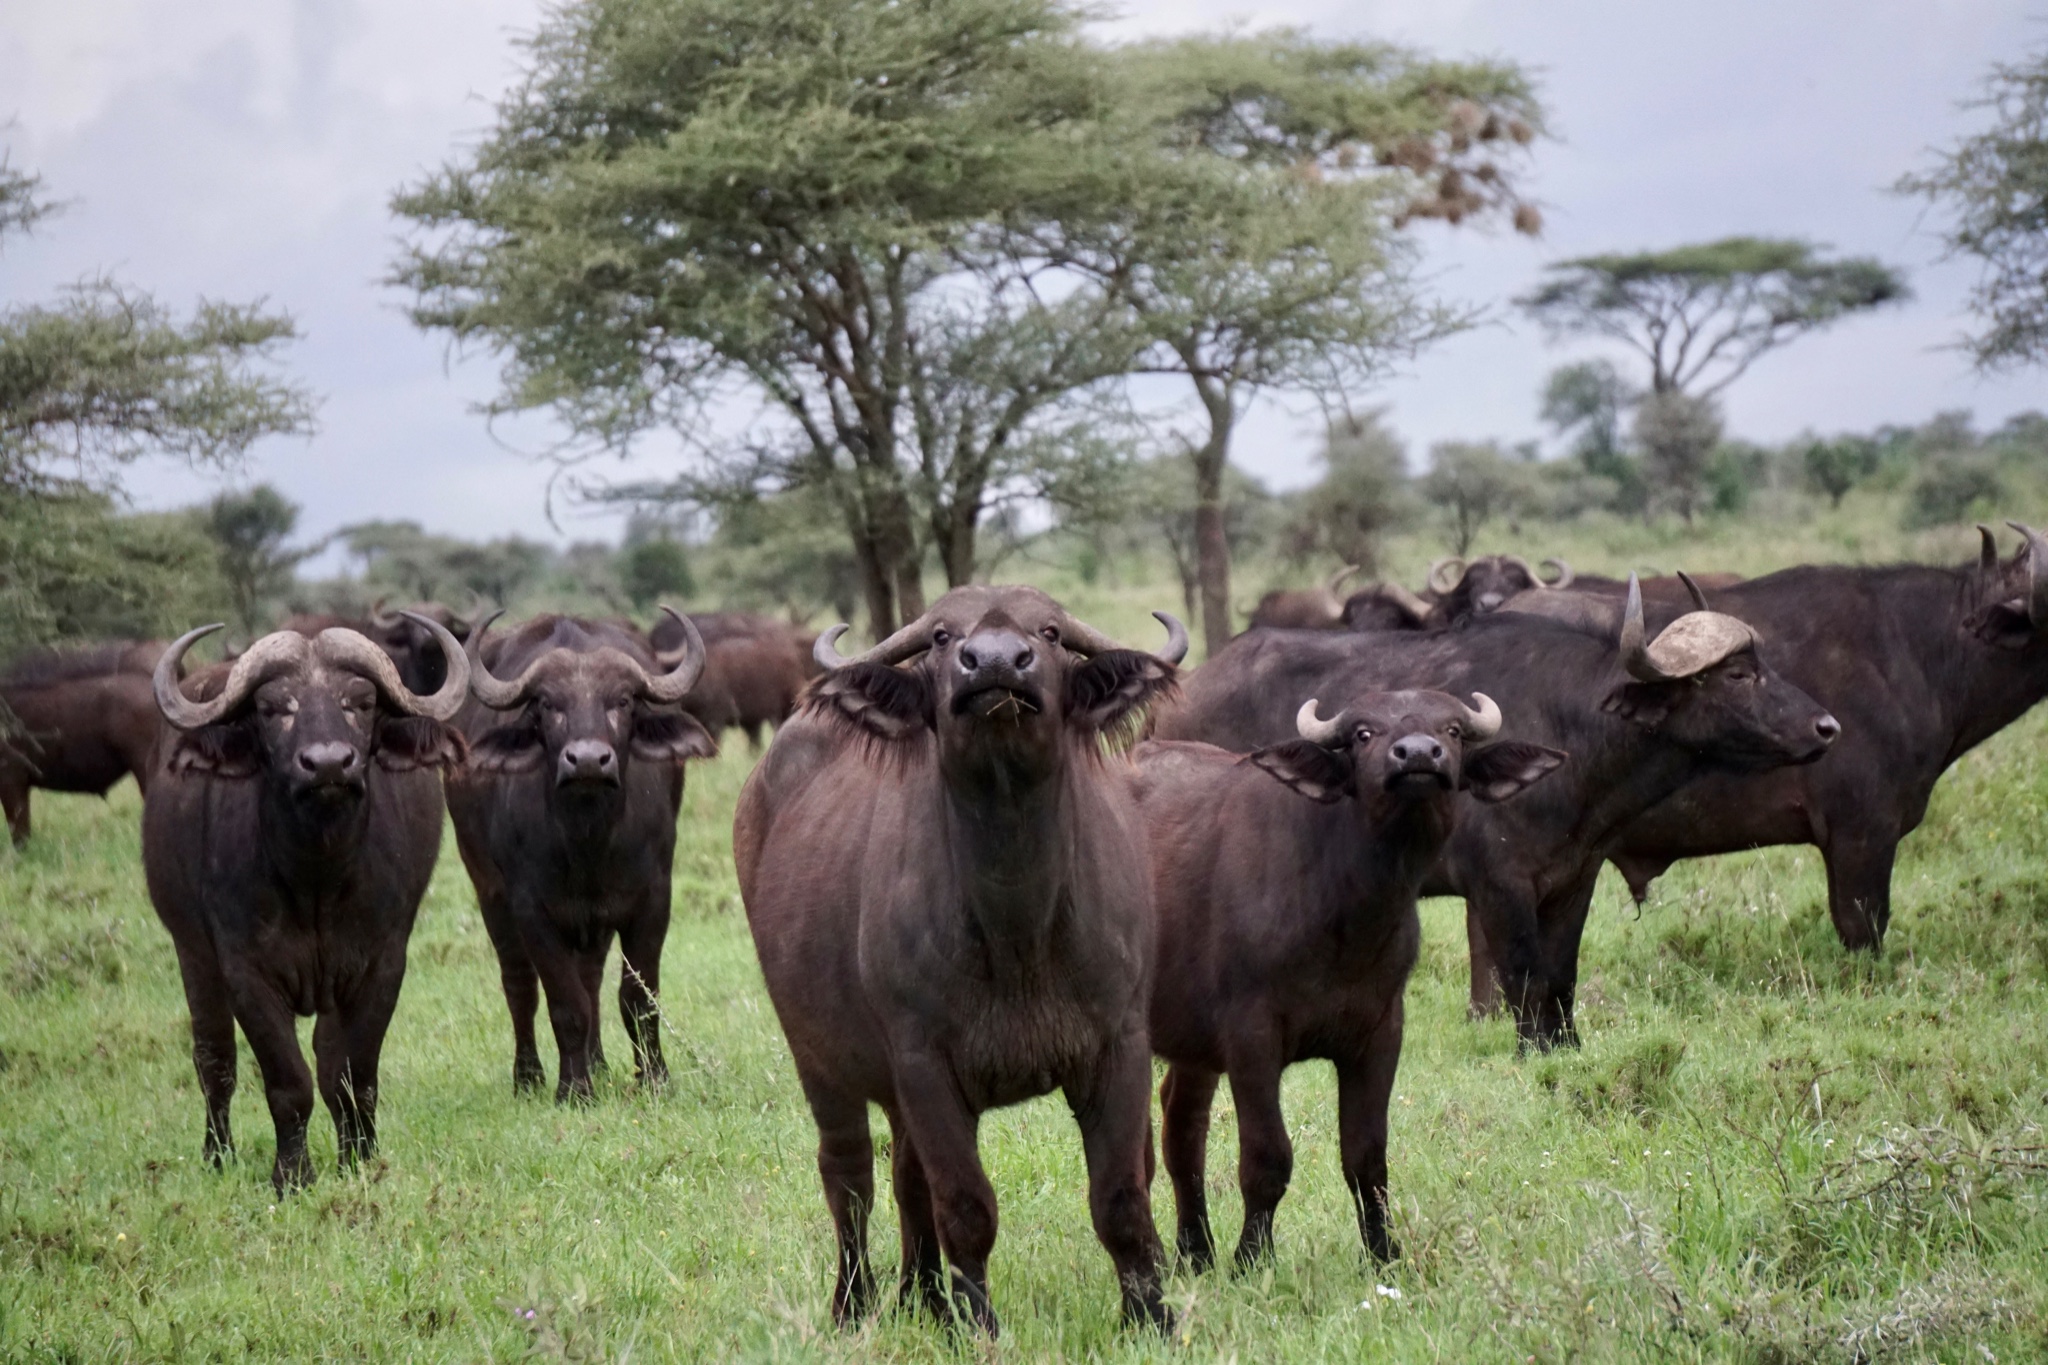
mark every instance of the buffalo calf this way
{"type": "Point", "coordinates": [1286, 883]}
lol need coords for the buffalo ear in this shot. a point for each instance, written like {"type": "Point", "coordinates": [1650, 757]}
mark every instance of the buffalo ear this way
{"type": "Point", "coordinates": [1308, 768]}
{"type": "Point", "coordinates": [1500, 770]}
{"type": "Point", "coordinates": [514, 748]}
{"type": "Point", "coordinates": [230, 751]}
{"type": "Point", "coordinates": [1647, 704]}
{"type": "Point", "coordinates": [1107, 690]}
{"type": "Point", "coordinates": [408, 742]}
{"type": "Point", "coordinates": [2003, 624]}
{"type": "Point", "coordinates": [888, 703]}
{"type": "Point", "coordinates": [668, 737]}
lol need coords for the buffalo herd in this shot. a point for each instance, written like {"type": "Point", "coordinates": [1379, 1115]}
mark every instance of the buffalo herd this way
{"type": "Point", "coordinates": [999, 854]}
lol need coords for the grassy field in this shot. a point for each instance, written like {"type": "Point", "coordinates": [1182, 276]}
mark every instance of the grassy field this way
{"type": "Point", "coordinates": [1766, 1151]}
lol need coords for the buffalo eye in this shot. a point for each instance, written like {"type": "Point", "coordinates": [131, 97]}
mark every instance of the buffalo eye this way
{"type": "Point", "coordinates": [1051, 633]}
{"type": "Point", "coordinates": [1363, 734]}
{"type": "Point", "coordinates": [941, 638]}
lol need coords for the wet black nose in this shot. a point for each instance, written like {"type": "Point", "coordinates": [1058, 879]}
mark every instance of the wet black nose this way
{"type": "Point", "coordinates": [1417, 750]}
{"type": "Point", "coordinates": [1827, 727]}
{"type": "Point", "coordinates": [997, 650]}
{"type": "Point", "coordinates": [328, 760]}
{"type": "Point", "coordinates": [585, 760]}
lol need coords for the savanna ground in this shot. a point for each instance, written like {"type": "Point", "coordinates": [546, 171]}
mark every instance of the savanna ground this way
{"type": "Point", "coordinates": [1765, 1151]}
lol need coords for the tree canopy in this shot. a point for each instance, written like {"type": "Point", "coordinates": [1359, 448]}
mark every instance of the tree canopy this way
{"type": "Point", "coordinates": [1994, 186]}
{"type": "Point", "coordinates": [1701, 315]}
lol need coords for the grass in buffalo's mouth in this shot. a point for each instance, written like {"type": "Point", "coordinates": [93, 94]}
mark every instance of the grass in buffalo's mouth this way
{"type": "Point", "coordinates": [1767, 1150]}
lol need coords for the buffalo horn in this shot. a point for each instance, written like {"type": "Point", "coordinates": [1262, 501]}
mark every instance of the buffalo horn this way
{"type": "Point", "coordinates": [1987, 552]}
{"type": "Point", "coordinates": [256, 664]}
{"type": "Point", "coordinates": [342, 646]}
{"type": "Point", "coordinates": [2037, 574]}
{"type": "Point", "coordinates": [1693, 643]}
{"type": "Point", "coordinates": [1535, 580]}
{"type": "Point", "coordinates": [1438, 582]}
{"type": "Point", "coordinates": [1336, 580]}
{"type": "Point", "coordinates": [676, 683]}
{"type": "Point", "coordinates": [1316, 730]}
{"type": "Point", "coordinates": [1699, 599]}
{"type": "Point", "coordinates": [914, 638]}
{"type": "Point", "coordinates": [1484, 723]}
{"type": "Point", "coordinates": [1407, 601]}
{"type": "Point", "coordinates": [1564, 574]}
{"type": "Point", "coordinates": [382, 619]}
{"type": "Point", "coordinates": [493, 691]}
{"type": "Point", "coordinates": [1086, 641]}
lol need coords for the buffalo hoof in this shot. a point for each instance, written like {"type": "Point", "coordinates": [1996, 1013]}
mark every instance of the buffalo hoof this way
{"type": "Point", "coordinates": [578, 1093]}
{"type": "Point", "coordinates": [1383, 1248]}
{"type": "Point", "coordinates": [289, 1176]}
{"type": "Point", "coordinates": [927, 1291]}
{"type": "Point", "coordinates": [1196, 1250]}
{"type": "Point", "coordinates": [1143, 1307]}
{"type": "Point", "coordinates": [528, 1080]}
{"type": "Point", "coordinates": [971, 1305]}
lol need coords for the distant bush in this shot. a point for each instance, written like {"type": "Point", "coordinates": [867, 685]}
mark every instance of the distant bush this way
{"type": "Point", "coordinates": [1954, 488]}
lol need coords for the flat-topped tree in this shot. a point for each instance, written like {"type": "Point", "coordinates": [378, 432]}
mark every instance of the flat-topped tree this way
{"type": "Point", "coordinates": [1701, 315]}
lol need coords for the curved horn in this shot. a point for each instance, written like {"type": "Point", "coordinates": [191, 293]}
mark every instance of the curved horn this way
{"type": "Point", "coordinates": [2037, 574]}
{"type": "Point", "coordinates": [675, 684]}
{"type": "Point", "coordinates": [1987, 552]}
{"type": "Point", "coordinates": [1484, 723]}
{"type": "Point", "coordinates": [1565, 576]}
{"type": "Point", "coordinates": [487, 688]}
{"type": "Point", "coordinates": [1086, 640]}
{"type": "Point", "coordinates": [1535, 579]}
{"type": "Point", "coordinates": [1316, 730]}
{"type": "Point", "coordinates": [1699, 599]}
{"type": "Point", "coordinates": [1635, 648]}
{"type": "Point", "coordinates": [1336, 580]}
{"type": "Point", "coordinates": [914, 638]}
{"type": "Point", "coordinates": [382, 619]}
{"type": "Point", "coordinates": [1436, 582]}
{"type": "Point", "coordinates": [342, 646]}
{"type": "Point", "coordinates": [251, 668]}
{"type": "Point", "coordinates": [1407, 601]}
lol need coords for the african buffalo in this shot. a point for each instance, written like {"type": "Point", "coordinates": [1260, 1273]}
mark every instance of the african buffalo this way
{"type": "Point", "coordinates": [754, 669]}
{"type": "Point", "coordinates": [1922, 663]}
{"type": "Point", "coordinates": [1457, 589]}
{"type": "Point", "coordinates": [398, 633]}
{"type": "Point", "coordinates": [1287, 928]}
{"type": "Point", "coordinates": [291, 825]}
{"type": "Point", "coordinates": [945, 877]}
{"type": "Point", "coordinates": [1317, 608]}
{"type": "Point", "coordinates": [82, 719]}
{"type": "Point", "coordinates": [1639, 724]}
{"type": "Point", "coordinates": [566, 818]}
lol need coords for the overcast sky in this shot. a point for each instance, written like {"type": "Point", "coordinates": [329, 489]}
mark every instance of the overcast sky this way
{"type": "Point", "coordinates": [245, 148]}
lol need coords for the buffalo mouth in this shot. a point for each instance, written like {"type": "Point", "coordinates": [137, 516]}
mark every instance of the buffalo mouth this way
{"type": "Point", "coordinates": [1418, 781]}
{"type": "Point", "coordinates": [1000, 701]}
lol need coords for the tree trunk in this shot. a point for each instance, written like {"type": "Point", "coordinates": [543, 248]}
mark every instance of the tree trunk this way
{"type": "Point", "coordinates": [1212, 543]}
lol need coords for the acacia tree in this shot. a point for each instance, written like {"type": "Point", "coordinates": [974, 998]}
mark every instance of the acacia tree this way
{"type": "Point", "coordinates": [1257, 240]}
{"type": "Point", "coordinates": [1994, 184]}
{"type": "Point", "coordinates": [90, 382]}
{"type": "Point", "coordinates": [1472, 483]}
{"type": "Point", "coordinates": [1702, 315]}
{"type": "Point", "coordinates": [782, 197]}
{"type": "Point", "coordinates": [249, 531]}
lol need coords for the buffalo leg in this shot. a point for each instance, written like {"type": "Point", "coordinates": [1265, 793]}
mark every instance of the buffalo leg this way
{"type": "Point", "coordinates": [271, 1028]}
{"type": "Point", "coordinates": [522, 993]}
{"type": "Point", "coordinates": [591, 964]}
{"type": "Point", "coordinates": [1486, 996]}
{"type": "Point", "coordinates": [923, 1276]}
{"type": "Point", "coordinates": [1364, 1085]}
{"type": "Point", "coordinates": [1265, 1156]}
{"type": "Point", "coordinates": [1564, 926]}
{"type": "Point", "coordinates": [846, 1165]}
{"type": "Point", "coordinates": [639, 995]}
{"type": "Point", "coordinates": [348, 1047]}
{"type": "Point", "coordinates": [571, 1009]}
{"type": "Point", "coordinates": [213, 1045]}
{"type": "Point", "coordinates": [14, 799]}
{"type": "Point", "coordinates": [1860, 890]}
{"type": "Point", "coordinates": [1185, 1099]}
{"type": "Point", "coordinates": [1113, 1108]}
{"type": "Point", "coordinates": [1509, 929]}
{"type": "Point", "coordinates": [943, 1129]}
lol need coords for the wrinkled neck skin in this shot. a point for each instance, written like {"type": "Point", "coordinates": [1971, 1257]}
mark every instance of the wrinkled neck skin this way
{"type": "Point", "coordinates": [586, 812]}
{"type": "Point", "coordinates": [1378, 846]}
{"type": "Point", "coordinates": [306, 840]}
{"type": "Point", "coordinates": [1619, 779]}
{"type": "Point", "coordinates": [1007, 809]}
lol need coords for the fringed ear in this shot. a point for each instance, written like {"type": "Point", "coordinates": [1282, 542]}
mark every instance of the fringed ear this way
{"type": "Point", "coordinates": [230, 750]}
{"type": "Point", "coordinates": [514, 748]}
{"type": "Point", "coordinates": [1500, 770]}
{"type": "Point", "coordinates": [1108, 690]}
{"type": "Point", "coordinates": [1647, 704]}
{"type": "Point", "coordinates": [1308, 768]}
{"type": "Point", "coordinates": [667, 737]}
{"type": "Point", "coordinates": [875, 699]}
{"type": "Point", "coordinates": [408, 742]}
{"type": "Point", "coordinates": [2003, 624]}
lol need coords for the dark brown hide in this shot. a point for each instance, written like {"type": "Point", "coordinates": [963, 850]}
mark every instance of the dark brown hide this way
{"type": "Point", "coordinates": [82, 720]}
{"type": "Point", "coordinates": [287, 845]}
{"type": "Point", "coordinates": [566, 819]}
{"type": "Point", "coordinates": [945, 878]}
{"type": "Point", "coordinates": [1286, 884]}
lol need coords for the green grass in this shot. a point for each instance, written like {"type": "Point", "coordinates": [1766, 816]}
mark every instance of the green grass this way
{"type": "Point", "coordinates": [1766, 1151]}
